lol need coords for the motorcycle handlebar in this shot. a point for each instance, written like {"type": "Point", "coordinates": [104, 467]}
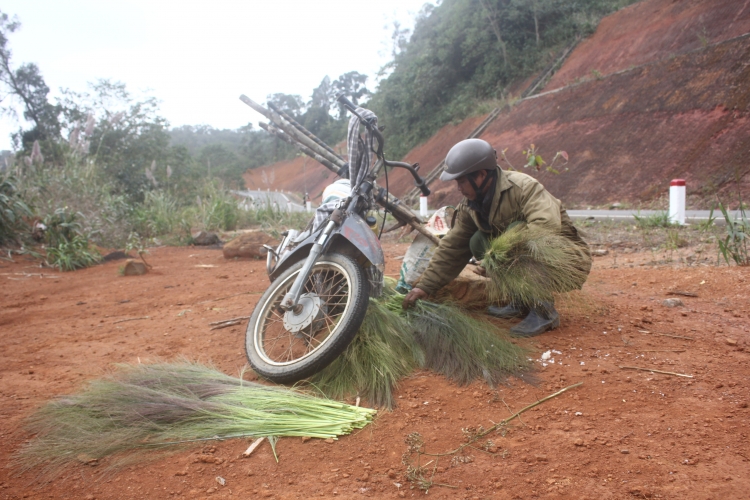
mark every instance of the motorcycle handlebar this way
{"type": "Point", "coordinates": [419, 181]}
{"type": "Point", "coordinates": [347, 103]}
{"type": "Point", "coordinates": [379, 137]}
{"type": "Point", "coordinates": [353, 109]}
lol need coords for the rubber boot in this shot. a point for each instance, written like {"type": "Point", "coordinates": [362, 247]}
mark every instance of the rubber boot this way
{"type": "Point", "coordinates": [507, 312]}
{"type": "Point", "coordinates": [541, 318]}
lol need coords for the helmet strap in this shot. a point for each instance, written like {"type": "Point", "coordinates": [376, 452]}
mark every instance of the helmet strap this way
{"type": "Point", "coordinates": [479, 190]}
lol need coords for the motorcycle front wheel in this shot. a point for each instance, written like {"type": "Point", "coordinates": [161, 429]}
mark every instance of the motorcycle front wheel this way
{"type": "Point", "coordinates": [287, 346]}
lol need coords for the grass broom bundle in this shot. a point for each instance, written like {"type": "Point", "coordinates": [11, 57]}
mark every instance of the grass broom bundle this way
{"type": "Point", "coordinates": [383, 352]}
{"type": "Point", "coordinates": [143, 407]}
{"type": "Point", "coordinates": [459, 346]}
{"type": "Point", "coordinates": [528, 264]}
{"type": "Point", "coordinates": [392, 342]}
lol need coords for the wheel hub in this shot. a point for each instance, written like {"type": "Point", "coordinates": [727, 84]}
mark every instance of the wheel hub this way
{"type": "Point", "coordinates": [302, 316]}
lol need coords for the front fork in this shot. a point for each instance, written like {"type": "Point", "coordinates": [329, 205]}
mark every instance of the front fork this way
{"type": "Point", "coordinates": [291, 298]}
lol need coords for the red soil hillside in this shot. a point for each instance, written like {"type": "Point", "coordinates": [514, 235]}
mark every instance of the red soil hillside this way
{"type": "Point", "coordinates": [653, 30]}
{"type": "Point", "coordinates": [660, 91]}
{"type": "Point", "coordinates": [630, 132]}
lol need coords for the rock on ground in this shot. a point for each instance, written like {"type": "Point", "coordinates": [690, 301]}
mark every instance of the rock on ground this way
{"type": "Point", "coordinates": [248, 245]}
{"type": "Point", "coordinates": [203, 238]}
{"type": "Point", "coordinates": [134, 268]}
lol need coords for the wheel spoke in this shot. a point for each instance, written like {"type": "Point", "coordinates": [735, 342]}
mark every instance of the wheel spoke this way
{"type": "Point", "coordinates": [333, 288]}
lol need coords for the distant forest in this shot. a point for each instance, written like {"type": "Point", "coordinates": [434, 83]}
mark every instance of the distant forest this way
{"type": "Point", "coordinates": [463, 57]}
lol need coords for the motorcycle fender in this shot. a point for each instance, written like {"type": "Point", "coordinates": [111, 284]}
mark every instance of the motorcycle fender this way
{"type": "Point", "coordinates": [299, 252]}
{"type": "Point", "coordinates": [356, 231]}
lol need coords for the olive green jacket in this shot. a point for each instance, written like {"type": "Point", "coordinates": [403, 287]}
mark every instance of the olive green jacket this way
{"type": "Point", "coordinates": [518, 197]}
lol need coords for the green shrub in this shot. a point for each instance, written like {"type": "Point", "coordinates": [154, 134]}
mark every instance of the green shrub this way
{"type": "Point", "coordinates": [62, 226]}
{"type": "Point", "coordinates": [274, 220]}
{"type": "Point", "coordinates": [73, 254]}
{"type": "Point", "coordinates": [659, 219]}
{"type": "Point", "coordinates": [13, 209]}
{"type": "Point", "coordinates": [217, 209]}
{"type": "Point", "coordinates": [68, 247]}
{"type": "Point", "coordinates": [159, 214]}
{"type": "Point", "coordinates": [734, 245]}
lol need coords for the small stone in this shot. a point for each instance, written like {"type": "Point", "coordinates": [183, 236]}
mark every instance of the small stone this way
{"type": "Point", "coordinates": [248, 245]}
{"type": "Point", "coordinates": [330, 440]}
{"type": "Point", "coordinates": [541, 458]}
{"type": "Point", "coordinates": [391, 474]}
{"type": "Point", "coordinates": [600, 252]}
{"type": "Point", "coordinates": [578, 442]}
{"type": "Point", "coordinates": [672, 303]}
{"type": "Point", "coordinates": [205, 238]}
{"type": "Point", "coordinates": [625, 452]}
{"type": "Point", "coordinates": [210, 490]}
{"type": "Point", "coordinates": [134, 268]}
{"type": "Point", "coordinates": [306, 439]}
{"type": "Point", "coordinates": [731, 341]}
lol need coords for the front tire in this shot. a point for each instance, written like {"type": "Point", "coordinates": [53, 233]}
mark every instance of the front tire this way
{"type": "Point", "coordinates": [288, 346]}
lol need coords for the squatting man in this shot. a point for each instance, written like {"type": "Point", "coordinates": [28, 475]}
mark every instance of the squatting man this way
{"type": "Point", "coordinates": [494, 200]}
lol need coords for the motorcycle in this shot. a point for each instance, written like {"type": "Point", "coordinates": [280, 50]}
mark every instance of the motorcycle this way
{"type": "Point", "coordinates": [322, 278]}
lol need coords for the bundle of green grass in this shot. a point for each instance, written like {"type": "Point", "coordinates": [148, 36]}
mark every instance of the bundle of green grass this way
{"type": "Point", "coordinates": [440, 337]}
{"type": "Point", "coordinates": [529, 264]}
{"type": "Point", "coordinates": [142, 408]}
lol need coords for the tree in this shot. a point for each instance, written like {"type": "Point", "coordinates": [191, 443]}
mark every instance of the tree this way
{"type": "Point", "coordinates": [128, 136]}
{"type": "Point", "coordinates": [293, 105]}
{"type": "Point", "coordinates": [353, 85]}
{"type": "Point", "coordinates": [25, 86]}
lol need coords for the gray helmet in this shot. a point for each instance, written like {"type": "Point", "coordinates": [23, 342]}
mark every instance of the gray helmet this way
{"type": "Point", "coordinates": [468, 156]}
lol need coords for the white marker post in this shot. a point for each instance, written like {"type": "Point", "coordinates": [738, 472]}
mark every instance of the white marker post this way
{"type": "Point", "coordinates": [677, 201]}
{"type": "Point", "coordinates": [308, 206]}
{"type": "Point", "coordinates": [423, 206]}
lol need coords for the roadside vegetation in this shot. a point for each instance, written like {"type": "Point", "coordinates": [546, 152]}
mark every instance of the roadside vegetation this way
{"type": "Point", "coordinates": [100, 169]}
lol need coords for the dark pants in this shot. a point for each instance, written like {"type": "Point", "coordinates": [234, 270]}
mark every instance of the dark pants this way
{"type": "Point", "coordinates": [478, 244]}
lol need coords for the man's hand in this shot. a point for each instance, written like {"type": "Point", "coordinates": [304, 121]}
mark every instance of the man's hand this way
{"type": "Point", "coordinates": [413, 296]}
{"type": "Point", "coordinates": [480, 271]}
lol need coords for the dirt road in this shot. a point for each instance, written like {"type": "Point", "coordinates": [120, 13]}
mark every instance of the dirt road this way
{"type": "Point", "coordinates": [622, 434]}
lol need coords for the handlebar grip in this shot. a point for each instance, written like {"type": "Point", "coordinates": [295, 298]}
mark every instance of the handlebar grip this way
{"type": "Point", "coordinates": [346, 102]}
{"type": "Point", "coordinates": [425, 190]}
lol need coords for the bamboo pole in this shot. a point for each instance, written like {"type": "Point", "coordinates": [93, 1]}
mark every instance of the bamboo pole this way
{"type": "Point", "coordinates": [271, 129]}
{"type": "Point", "coordinates": [292, 131]}
{"type": "Point", "coordinates": [291, 135]}
{"type": "Point", "coordinates": [302, 129]}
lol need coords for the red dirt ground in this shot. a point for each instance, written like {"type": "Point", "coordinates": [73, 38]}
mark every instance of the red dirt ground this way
{"type": "Point", "coordinates": [622, 434]}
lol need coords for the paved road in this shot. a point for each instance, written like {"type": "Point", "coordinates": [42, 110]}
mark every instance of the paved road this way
{"type": "Point", "coordinates": [691, 216]}
{"type": "Point", "coordinates": [282, 201]}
